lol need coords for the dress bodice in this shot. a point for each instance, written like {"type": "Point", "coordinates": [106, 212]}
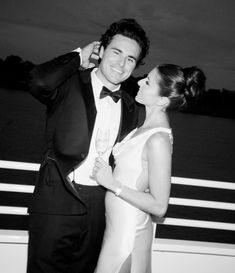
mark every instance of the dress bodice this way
{"type": "Point", "coordinates": [128, 155]}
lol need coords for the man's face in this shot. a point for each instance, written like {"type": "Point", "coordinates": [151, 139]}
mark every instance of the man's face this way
{"type": "Point", "coordinates": [118, 60]}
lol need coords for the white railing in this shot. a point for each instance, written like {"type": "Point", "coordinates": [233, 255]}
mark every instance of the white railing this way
{"type": "Point", "coordinates": [16, 165]}
{"type": "Point", "coordinates": [159, 244]}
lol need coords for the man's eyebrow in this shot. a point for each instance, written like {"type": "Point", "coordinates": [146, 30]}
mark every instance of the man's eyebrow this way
{"type": "Point", "coordinates": [119, 50]}
{"type": "Point", "coordinates": [132, 57]}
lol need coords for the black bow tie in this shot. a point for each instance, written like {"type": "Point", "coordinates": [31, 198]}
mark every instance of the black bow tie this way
{"type": "Point", "coordinates": [116, 95]}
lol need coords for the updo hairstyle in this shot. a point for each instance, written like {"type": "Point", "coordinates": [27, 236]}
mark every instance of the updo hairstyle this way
{"type": "Point", "coordinates": [182, 86]}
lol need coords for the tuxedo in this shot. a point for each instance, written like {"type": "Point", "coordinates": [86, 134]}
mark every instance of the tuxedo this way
{"type": "Point", "coordinates": [67, 93]}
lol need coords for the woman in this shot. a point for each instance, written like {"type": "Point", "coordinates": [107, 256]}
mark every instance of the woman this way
{"type": "Point", "coordinates": [140, 183]}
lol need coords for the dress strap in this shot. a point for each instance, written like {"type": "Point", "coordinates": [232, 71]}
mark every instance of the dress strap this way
{"type": "Point", "coordinates": [164, 130]}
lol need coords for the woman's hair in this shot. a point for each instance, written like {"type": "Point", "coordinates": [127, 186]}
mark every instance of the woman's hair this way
{"type": "Point", "coordinates": [130, 29]}
{"type": "Point", "coordinates": [182, 86]}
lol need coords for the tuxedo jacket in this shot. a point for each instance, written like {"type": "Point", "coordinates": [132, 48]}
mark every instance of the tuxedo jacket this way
{"type": "Point", "coordinates": [67, 93]}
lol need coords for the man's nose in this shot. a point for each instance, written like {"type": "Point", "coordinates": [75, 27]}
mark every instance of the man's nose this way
{"type": "Point", "coordinates": [122, 61]}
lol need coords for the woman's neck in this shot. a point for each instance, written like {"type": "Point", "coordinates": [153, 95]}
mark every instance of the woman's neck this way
{"type": "Point", "coordinates": [156, 117]}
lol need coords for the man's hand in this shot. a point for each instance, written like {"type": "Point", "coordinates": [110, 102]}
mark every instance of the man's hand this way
{"type": "Point", "coordinates": [91, 51]}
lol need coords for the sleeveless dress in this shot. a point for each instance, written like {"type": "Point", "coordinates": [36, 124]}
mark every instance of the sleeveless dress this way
{"type": "Point", "coordinates": [127, 242]}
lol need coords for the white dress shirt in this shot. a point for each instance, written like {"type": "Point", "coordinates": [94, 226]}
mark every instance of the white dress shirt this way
{"type": "Point", "coordinates": [107, 118]}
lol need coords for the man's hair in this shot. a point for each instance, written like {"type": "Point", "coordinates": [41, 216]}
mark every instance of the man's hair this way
{"type": "Point", "coordinates": [131, 29]}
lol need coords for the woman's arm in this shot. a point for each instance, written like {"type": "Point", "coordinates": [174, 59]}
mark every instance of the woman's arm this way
{"type": "Point", "coordinates": [158, 153]}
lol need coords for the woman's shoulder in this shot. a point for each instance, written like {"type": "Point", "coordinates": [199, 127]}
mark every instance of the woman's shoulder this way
{"type": "Point", "coordinates": [159, 139]}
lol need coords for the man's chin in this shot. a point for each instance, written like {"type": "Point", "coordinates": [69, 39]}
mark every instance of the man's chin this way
{"type": "Point", "coordinates": [117, 81]}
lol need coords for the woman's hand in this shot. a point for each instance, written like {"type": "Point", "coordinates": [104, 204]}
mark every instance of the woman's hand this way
{"type": "Point", "coordinates": [102, 173]}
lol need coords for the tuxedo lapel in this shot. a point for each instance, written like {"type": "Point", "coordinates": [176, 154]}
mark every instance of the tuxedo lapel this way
{"type": "Point", "coordinates": [128, 116]}
{"type": "Point", "coordinates": [88, 96]}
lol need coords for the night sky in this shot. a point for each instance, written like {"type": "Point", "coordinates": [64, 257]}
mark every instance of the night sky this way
{"type": "Point", "coordinates": [184, 32]}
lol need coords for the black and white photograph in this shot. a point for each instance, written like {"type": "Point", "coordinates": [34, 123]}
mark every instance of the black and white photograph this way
{"type": "Point", "coordinates": [117, 136]}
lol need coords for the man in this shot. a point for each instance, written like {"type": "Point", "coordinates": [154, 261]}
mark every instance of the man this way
{"type": "Point", "coordinates": [67, 216]}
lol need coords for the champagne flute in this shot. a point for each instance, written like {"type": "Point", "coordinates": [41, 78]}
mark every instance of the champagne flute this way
{"type": "Point", "coordinates": [102, 141]}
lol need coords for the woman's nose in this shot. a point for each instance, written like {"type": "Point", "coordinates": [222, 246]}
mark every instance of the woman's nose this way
{"type": "Point", "coordinates": [140, 82]}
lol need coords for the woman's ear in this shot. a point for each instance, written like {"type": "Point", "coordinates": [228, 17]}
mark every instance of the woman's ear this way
{"type": "Point", "coordinates": [164, 101]}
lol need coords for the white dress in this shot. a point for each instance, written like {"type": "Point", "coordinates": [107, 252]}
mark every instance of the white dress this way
{"type": "Point", "coordinates": [128, 236]}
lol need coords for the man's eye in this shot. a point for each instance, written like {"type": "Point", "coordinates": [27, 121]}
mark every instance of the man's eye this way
{"type": "Point", "coordinates": [116, 52]}
{"type": "Point", "coordinates": [131, 60]}
{"type": "Point", "coordinates": [147, 82]}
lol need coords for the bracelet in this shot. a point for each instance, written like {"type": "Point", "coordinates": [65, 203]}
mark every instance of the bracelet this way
{"type": "Point", "coordinates": [118, 191]}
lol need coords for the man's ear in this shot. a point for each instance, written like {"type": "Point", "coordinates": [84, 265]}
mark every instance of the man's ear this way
{"type": "Point", "coordinates": [101, 52]}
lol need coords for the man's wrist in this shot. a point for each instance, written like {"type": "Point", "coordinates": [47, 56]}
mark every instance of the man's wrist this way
{"type": "Point", "coordinates": [79, 50]}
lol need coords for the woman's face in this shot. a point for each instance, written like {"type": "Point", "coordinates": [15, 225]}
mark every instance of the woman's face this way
{"type": "Point", "coordinates": [148, 93]}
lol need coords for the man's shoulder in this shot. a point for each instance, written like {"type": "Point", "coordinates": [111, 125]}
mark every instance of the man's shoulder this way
{"type": "Point", "coordinates": [130, 86]}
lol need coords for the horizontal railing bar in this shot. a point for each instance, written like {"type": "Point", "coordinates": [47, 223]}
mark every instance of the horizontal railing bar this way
{"type": "Point", "coordinates": [6, 164]}
{"type": "Point", "coordinates": [201, 203]}
{"type": "Point", "coordinates": [13, 236]}
{"type": "Point", "coordinates": [16, 188]}
{"type": "Point", "coordinates": [203, 183]}
{"type": "Point", "coordinates": [164, 221]}
{"type": "Point", "coordinates": [16, 165]}
{"type": "Point", "coordinates": [197, 224]}
{"type": "Point", "coordinates": [172, 201]}
{"type": "Point", "coordinates": [13, 210]}
{"type": "Point", "coordinates": [197, 247]}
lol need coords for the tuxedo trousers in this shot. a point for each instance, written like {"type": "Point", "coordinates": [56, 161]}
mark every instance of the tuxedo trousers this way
{"type": "Point", "coordinates": [68, 243]}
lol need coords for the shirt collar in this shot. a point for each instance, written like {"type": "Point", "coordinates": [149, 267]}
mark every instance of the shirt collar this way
{"type": "Point", "coordinates": [96, 83]}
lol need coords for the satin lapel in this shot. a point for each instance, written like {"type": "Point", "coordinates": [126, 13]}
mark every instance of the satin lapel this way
{"type": "Point", "coordinates": [88, 96]}
{"type": "Point", "coordinates": [127, 116]}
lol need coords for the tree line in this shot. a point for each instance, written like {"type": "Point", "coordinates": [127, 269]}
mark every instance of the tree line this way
{"type": "Point", "coordinates": [214, 102]}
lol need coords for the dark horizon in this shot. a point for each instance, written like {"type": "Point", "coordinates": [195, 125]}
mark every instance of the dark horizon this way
{"type": "Point", "coordinates": [29, 62]}
{"type": "Point", "coordinates": [183, 32]}
{"type": "Point", "coordinates": [213, 102]}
